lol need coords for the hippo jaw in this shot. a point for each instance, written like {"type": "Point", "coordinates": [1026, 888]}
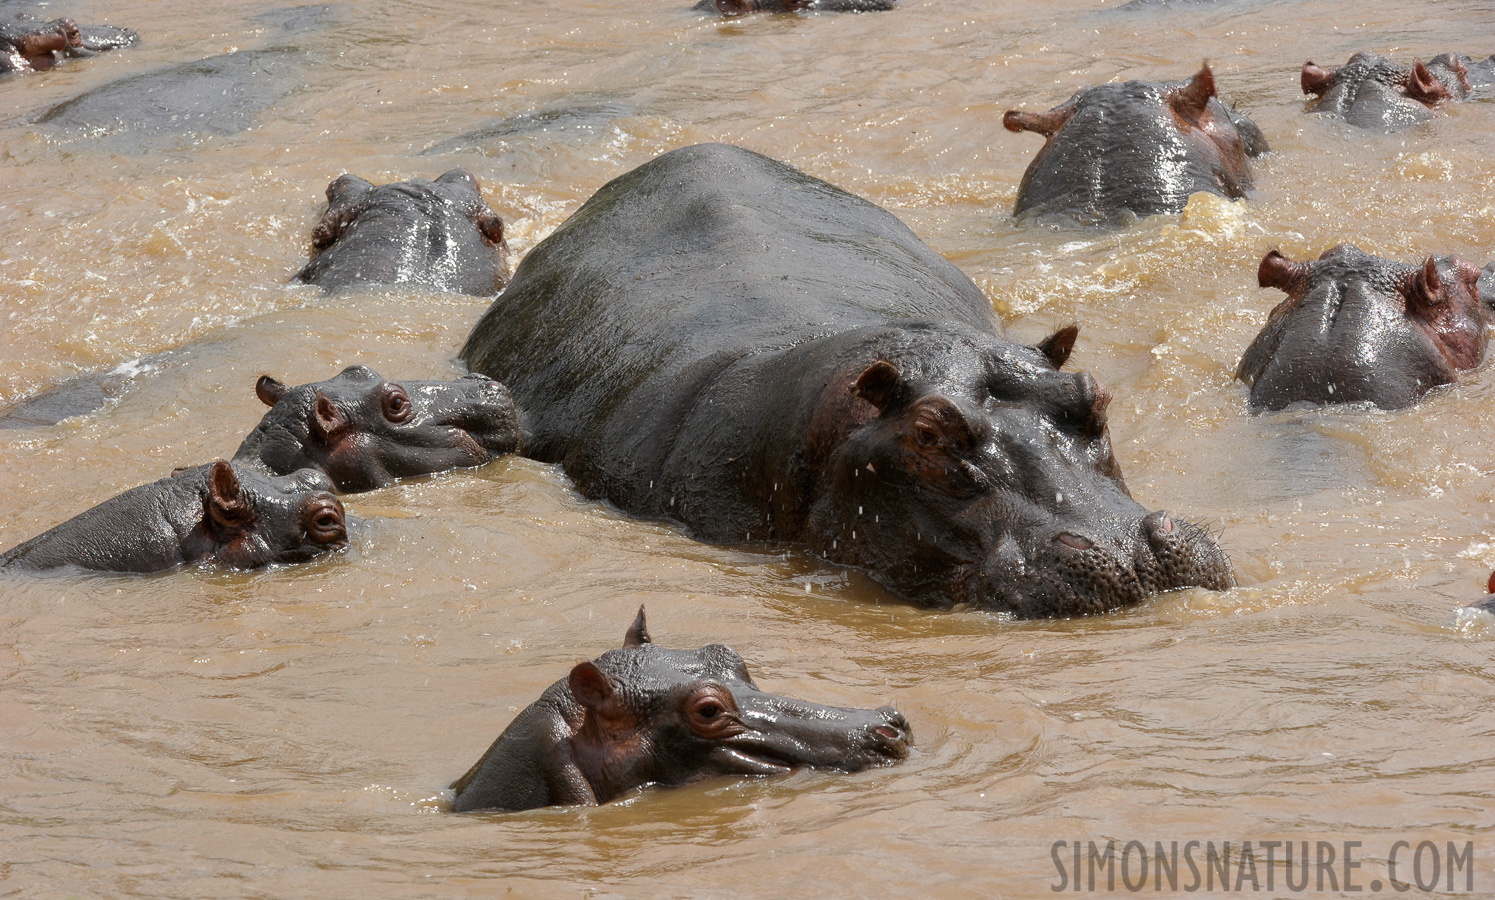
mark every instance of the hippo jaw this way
{"type": "Point", "coordinates": [1002, 494]}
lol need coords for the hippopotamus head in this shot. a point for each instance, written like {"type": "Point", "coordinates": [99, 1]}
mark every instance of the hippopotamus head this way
{"type": "Point", "coordinates": [647, 715]}
{"type": "Point", "coordinates": [1358, 328]}
{"type": "Point", "coordinates": [236, 517]}
{"type": "Point", "coordinates": [365, 432]}
{"type": "Point", "coordinates": [983, 474]}
{"type": "Point", "coordinates": [1135, 149]}
{"type": "Point", "coordinates": [439, 234]}
{"type": "Point", "coordinates": [1372, 91]}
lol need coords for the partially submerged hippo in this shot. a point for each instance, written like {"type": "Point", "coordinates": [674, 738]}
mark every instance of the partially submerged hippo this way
{"type": "Point", "coordinates": [437, 234]}
{"type": "Point", "coordinates": [364, 432]}
{"type": "Point", "coordinates": [230, 515]}
{"type": "Point", "coordinates": [646, 715]}
{"type": "Point", "coordinates": [29, 46]}
{"type": "Point", "coordinates": [1118, 151]}
{"type": "Point", "coordinates": [1358, 328]}
{"type": "Point", "coordinates": [743, 7]}
{"type": "Point", "coordinates": [721, 340]}
{"type": "Point", "coordinates": [1374, 92]}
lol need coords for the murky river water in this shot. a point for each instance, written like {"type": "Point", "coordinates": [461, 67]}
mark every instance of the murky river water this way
{"type": "Point", "coordinates": [290, 733]}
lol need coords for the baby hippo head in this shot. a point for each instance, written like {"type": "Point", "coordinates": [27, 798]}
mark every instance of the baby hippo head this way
{"type": "Point", "coordinates": [647, 715]}
{"type": "Point", "coordinates": [1358, 328]}
{"type": "Point", "coordinates": [257, 520]}
{"type": "Point", "coordinates": [365, 432]}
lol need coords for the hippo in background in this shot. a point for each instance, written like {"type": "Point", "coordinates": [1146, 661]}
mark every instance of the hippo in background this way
{"type": "Point", "coordinates": [227, 514]}
{"type": "Point", "coordinates": [436, 234]}
{"type": "Point", "coordinates": [27, 45]}
{"type": "Point", "coordinates": [1115, 152]}
{"type": "Point", "coordinates": [364, 432]}
{"type": "Point", "coordinates": [743, 7]}
{"type": "Point", "coordinates": [720, 340]}
{"type": "Point", "coordinates": [1357, 328]}
{"type": "Point", "coordinates": [1376, 93]}
{"type": "Point", "coordinates": [646, 715]}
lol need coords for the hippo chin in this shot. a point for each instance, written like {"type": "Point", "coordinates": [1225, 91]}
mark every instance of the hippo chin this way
{"type": "Point", "coordinates": [27, 46]}
{"type": "Point", "coordinates": [436, 234]}
{"type": "Point", "coordinates": [721, 340]}
{"type": "Point", "coordinates": [364, 432]}
{"type": "Point", "coordinates": [732, 8]}
{"type": "Point", "coordinates": [1357, 328]}
{"type": "Point", "coordinates": [232, 516]}
{"type": "Point", "coordinates": [646, 715]}
{"type": "Point", "coordinates": [1374, 92]}
{"type": "Point", "coordinates": [1119, 151]}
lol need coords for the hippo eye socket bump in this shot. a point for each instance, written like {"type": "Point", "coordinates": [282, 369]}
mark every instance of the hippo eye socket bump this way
{"type": "Point", "coordinates": [397, 406]}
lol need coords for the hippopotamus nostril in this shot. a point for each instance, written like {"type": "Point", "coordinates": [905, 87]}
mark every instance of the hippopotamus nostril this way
{"type": "Point", "coordinates": [1078, 542]}
{"type": "Point", "coordinates": [888, 732]}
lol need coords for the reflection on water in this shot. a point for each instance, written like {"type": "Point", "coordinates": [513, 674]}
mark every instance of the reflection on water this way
{"type": "Point", "coordinates": [209, 733]}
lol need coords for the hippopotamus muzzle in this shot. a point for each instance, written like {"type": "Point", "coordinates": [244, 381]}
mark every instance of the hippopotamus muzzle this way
{"type": "Point", "coordinates": [771, 735]}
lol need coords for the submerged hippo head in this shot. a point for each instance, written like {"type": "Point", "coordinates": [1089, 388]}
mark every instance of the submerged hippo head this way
{"type": "Point", "coordinates": [984, 475]}
{"type": "Point", "coordinates": [438, 234]}
{"type": "Point", "coordinates": [235, 517]}
{"type": "Point", "coordinates": [1358, 328]}
{"type": "Point", "coordinates": [365, 432]}
{"type": "Point", "coordinates": [1135, 149]}
{"type": "Point", "coordinates": [34, 46]}
{"type": "Point", "coordinates": [645, 715]}
{"type": "Point", "coordinates": [1372, 91]}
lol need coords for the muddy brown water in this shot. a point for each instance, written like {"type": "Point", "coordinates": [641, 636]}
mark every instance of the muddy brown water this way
{"type": "Point", "coordinates": [291, 732]}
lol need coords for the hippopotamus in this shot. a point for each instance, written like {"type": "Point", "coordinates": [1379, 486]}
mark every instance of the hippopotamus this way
{"type": "Point", "coordinates": [363, 432]}
{"type": "Point", "coordinates": [720, 340]}
{"type": "Point", "coordinates": [1357, 328]}
{"type": "Point", "coordinates": [231, 515]}
{"type": "Point", "coordinates": [1374, 92]}
{"type": "Point", "coordinates": [743, 7]}
{"type": "Point", "coordinates": [1115, 152]}
{"type": "Point", "coordinates": [27, 46]}
{"type": "Point", "coordinates": [436, 234]}
{"type": "Point", "coordinates": [646, 715]}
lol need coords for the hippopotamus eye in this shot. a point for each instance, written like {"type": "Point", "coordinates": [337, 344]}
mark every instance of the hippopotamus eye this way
{"type": "Point", "coordinates": [711, 713]}
{"type": "Point", "coordinates": [397, 406]}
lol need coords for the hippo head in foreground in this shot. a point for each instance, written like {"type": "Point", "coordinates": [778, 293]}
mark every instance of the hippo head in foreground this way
{"type": "Point", "coordinates": [988, 479]}
{"type": "Point", "coordinates": [1372, 91]}
{"type": "Point", "coordinates": [646, 715]}
{"type": "Point", "coordinates": [437, 234]}
{"type": "Point", "coordinates": [1135, 149]}
{"type": "Point", "coordinates": [364, 432]}
{"type": "Point", "coordinates": [1357, 328]}
{"type": "Point", "coordinates": [236, 517]}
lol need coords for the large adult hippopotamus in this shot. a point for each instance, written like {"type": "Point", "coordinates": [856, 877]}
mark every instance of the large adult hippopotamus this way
{"type": "Point", "coordinates": [437, 234]}
{"type": "Point", "coordinates": [231, 515]}
{"type": "Point", "coordinates": [364, 432]}
{"type": "Point", "coordinates": [743, 7]}
{"type": "Point", "coordinates": [721, 340]}
{"type": "Point", "coordinates": [1374, 92]}
{"type": "Point", "coordinates": [646, 715]}
{"type": "Point", "coordinates": [33, 46]}
{"type": "Point", "coordinates": [1119, 151]}
{"type": "Point", "coordinates": [1357, 328]}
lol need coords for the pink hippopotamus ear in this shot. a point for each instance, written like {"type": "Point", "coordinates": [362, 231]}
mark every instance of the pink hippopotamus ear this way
{"type": "Point", "coordinates": [1191, 100]}
{"type": "Point", "coordinates": [1044, 123]}
{"type": "Point", "coordinates": [1315, 80]}
{"type": "Point", "coordinates": [327, 421]}
{"type": "Point", "coordinates": [1424, 87]}
{"type": "Point", "coordinates": [882, 385]}
{"type": "Point", "coordinates": [226, 504]}
{"type": "Point", "coordinates": [638, 632]}
{"type": "Point", "coordinates": [1059, 345]}
{"type": "Point", "coordinates": [269, 390]}
{"type": "Point", "coordinates": [1277, 271]}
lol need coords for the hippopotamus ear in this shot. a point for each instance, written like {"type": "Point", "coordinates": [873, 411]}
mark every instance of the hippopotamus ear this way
{"type": "Point", "coordinates": [491, 227]}
{"type": "Point", "coordinates": [226, 503]}
{"type": "Point", "coordinates": [638, 632]}
{"type": "Point", "coordinates": [327, 422]}
{"type": "Point", "coordinates": [1424, 87]}
{"type": "Point", "coordinates": [590, 686]}
{"type": "Point", "coordinates": [1059, 345]}
{"type": "Point", "coordinates": [1277, 271]}
{"type": "Point", "coordinates": [1044, 123]}
{"type": "Point", "coordinates": [1423, 288]}
{"type": "Point", "coordinates": [1316, 81]}
{"type": "Point", "coordinates": [882, 386]}
{"type": "Point", "coordinates": [1191, 100]}
{"type": "Point", "coordinates": [269, 390]}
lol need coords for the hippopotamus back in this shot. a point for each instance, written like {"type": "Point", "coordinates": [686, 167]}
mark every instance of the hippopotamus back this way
{"type": "Point", "coordinates": [793, 242]}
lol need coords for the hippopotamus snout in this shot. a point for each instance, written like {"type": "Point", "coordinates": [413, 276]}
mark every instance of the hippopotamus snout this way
{"type": "Point", "coordinates": [782, 734]}
{"type": "Point", "coordinates": [486, 414]}
{"type": "Point", "coordinates": [1089, 568]}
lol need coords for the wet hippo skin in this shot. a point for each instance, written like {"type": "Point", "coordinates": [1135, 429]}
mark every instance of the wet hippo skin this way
{"type": "Point", "coordinates": [646, 715]}
{"type": "Point", "coordinates": [28, 45]}
{"type": "Point", "coordinates": [1376, 93]}
{"type": "Point", "coordinates": [721, 340]}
